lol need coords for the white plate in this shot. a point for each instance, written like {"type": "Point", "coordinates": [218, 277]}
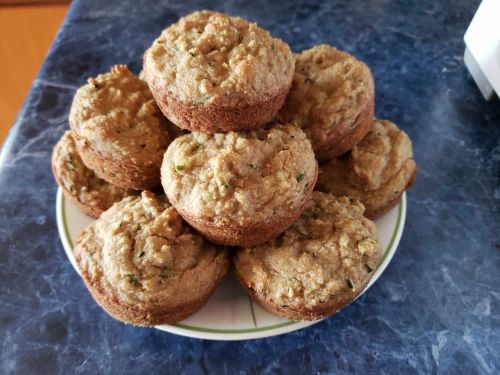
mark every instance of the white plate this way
{"type": "Point", "coordinates": [230, 314]}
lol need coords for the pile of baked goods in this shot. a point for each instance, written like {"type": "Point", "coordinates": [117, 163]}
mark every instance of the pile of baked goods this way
{"type": "Point", "coordinates": [208, 160]}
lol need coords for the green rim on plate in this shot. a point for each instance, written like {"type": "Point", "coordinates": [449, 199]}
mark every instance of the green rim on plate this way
{"type": "Point", "coordinates": [247, 330]}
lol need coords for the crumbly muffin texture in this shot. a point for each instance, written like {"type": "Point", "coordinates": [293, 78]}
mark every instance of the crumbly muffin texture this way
{"type": "Point", "coordinates": [212, 58]}
{"type": "Point", "coordinates": [141, 253]}
{"type": "Point", "coordinates": [329, 253]}
{"type": "Point", "coordinates": [82, 182]}
{"type": "Point", "coordinates": [230, 177]}
{"type": "Point", "coordinates": [380, 155]}
{"type": "Point", "coordinates": [376, 171]}
{"type": "Point", "coordinates": [330, 89]}
{"type": "Point", "coordinates": [116, 114]}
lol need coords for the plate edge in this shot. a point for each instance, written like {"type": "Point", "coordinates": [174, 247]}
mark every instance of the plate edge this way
{"type": "Point", "coordinates": [244, 334]}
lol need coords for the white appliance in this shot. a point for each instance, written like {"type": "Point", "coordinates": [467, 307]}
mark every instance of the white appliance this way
{"type": "Point", "coordinates": [482, 48]}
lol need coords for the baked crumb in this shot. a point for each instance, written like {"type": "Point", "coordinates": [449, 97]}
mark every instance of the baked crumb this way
{"type": "Point", "coordinates": [236, 177]}
{"type": "Point", "coordinates": [213, 58]}
{"type": "Point", "coordinates": [329, 253]}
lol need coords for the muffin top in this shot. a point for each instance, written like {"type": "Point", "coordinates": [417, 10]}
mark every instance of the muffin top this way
{"type": "Point", "coordinates": [80, 181]}
{"type": "Point", "coordinates": [115, 113]}
{"type": "Point", "coordinates": [142, 253]}
{"type": "Point", "coordinates": [212, 58]}
{"type": "Point", "coordinates": [379, 165]}
{"type": "Point", "coordinates": [330, 89]}
{"type": "Point", "coordinates": [330, 252]}
{"type": "Point", "coordinates": [380, 155]}
{"type": "Point", "coordinates": [239, 177]}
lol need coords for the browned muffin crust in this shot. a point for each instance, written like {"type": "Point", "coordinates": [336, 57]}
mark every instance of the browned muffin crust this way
{"type": "Point", "coordinates": [300, 313]}
{"type": "Point", "coordinates": [212, 118]}
{"type": "Point", "coordinates": [250, 233]}
{"type": "Point", "coordinates": [145, 266]}
{"type": "Point", "coordinates": [332, 99]}
{"type": "Point", "coordinates": [377, 171]}
{"type": "Point", "coordinates": [119, 130]}
{"type": "Point", "coordinates": [240, 188]}
{"type": "Point", "coordinates": [80, 185]}
{"type": "Point", "coordinates": [211, 72]}
{"type": "Point", "coordinates": [320, 264]}
{"type": "Point", "coordinates": [343, 139]}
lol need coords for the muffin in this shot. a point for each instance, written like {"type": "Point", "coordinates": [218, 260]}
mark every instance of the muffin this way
{"type": "Point", "coordinates": [320, 264]}
{"type": "Point", "coordinates": [79, 184]}
{"type": "Point", "coordinates": [240, 189]}
{"type": "Point", "coordinates": [119, 130]}
{"type": "Point", "coordinates": [145, 266]}
{"type": "Point", "coordinates": [211, 72]}
{"type": "Point", "coordinates": [377, 171]}
{"type": "Point", "coordinates": [332, 99]}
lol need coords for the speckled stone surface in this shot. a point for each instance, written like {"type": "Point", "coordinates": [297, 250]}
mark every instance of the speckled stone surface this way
{"type": "Point", "coordinates": [435, 309]}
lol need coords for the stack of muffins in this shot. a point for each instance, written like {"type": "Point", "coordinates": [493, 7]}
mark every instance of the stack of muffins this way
{"type": "Point", "coordinates": [211, 154]}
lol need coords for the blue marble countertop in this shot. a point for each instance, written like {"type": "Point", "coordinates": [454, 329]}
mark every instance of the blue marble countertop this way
{"type": "Point", "coordinates": [435, 309]}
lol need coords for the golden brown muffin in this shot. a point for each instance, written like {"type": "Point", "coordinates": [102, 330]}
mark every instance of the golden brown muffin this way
{"type": "Point", "coordinates": [377, 171]}
{"type": "Point", "coordinates": [79, 184]}
{"type": "Point", "coordinates": [145, 266]}
{"type": "Point", "coordinates": [320, 264]}
{"type": "Point", "coordinates": [240, 189]}
{"type": "Point", "coordinates": [119, 130]}
{"type": "Point", "coordinates": [332, 99]}
{"type": "Point", "coordinates": [211, 72]}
